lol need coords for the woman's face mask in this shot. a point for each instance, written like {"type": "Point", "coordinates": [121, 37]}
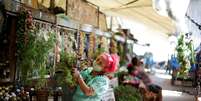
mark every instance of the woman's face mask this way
{"type": "Point", "coordinates": [96, 67]}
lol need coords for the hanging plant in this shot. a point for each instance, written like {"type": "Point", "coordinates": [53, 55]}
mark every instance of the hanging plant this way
{"type": "Point", "coordinates": [113, 46]}
{"type": "Point", "coordinates": [25, 43]}
{"type": "Point", "coordinates": [105, 43]}
{"type": "Point", "coordinates": [122, 54]}
{"type": "Point", "coordinates": [182, 56]}
{"type": "Point", "coordinates": [191, 52]}
{"type": "Point", "coordinates": [70, 42]}
{"type": "Point", "coordinates": [99, 48]}
{"type": "Point", "coordinates": [21, 32]}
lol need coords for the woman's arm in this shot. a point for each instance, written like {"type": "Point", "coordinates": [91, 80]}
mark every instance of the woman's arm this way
{"type": "Point", "coordinates": [88, 91]}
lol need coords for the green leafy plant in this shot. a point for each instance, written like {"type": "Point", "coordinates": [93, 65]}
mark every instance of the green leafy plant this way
{"type": "Point", "coordinates": [192, 52]}
{"type": "Point", "coordinates": [182, 56]}
{"type": "Point", "coordinates": [43, 46]}
{"type": "Point", "coordinates": [25, 50]}
{"type": "Point", "coordinates": [121, 76]}
{"type": "Point", "coordinates": [98, 52]}
{"type": "Point", "coordinates": [41, 81]}
{"type": "Point", "coordinates": [122, 54]}
{"type": "Point", "coordinates": [67, 62]}
{"type": "Point", "coordinates": [118, 33]}
{"type": "Point", "coordinates": [127, 93]}
{"type": "Point", "coordinates": [33, 48]}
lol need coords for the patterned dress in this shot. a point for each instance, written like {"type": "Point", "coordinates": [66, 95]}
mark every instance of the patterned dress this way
{"type": "Point", "coordinates": [100, 85]}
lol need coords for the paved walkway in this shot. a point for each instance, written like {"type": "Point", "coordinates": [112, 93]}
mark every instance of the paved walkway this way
{"type": "Point", "coordinates": [171, 93]}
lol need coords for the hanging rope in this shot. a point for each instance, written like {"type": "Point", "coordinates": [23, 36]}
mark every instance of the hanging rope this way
{"type": "Point", "coordinates": [194, 22]}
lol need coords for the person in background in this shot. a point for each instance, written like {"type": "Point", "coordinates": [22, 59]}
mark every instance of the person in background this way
{"type": "Point", "coordinates": [168, 67]}
{"type": "Point", "coordinates": [131, 78]}
{"type": "Point", "coordinates": [93, 82]}
{"type": "Point", "coordinates": [174, 63]}
{"type": "Point", "coordinates": [197, 76]}
{"type": "Point", "coordinates": [149, 62]}
{"type": "Point", "coordinates": [138, 72]}
{"type": "Point", "coordinates": [142, 79]}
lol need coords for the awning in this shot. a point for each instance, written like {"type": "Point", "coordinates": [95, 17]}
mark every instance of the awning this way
{"type": "Point", "coordinates": [140, 11]}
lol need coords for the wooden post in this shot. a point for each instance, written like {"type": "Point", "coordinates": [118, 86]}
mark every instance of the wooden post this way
{"type": "Point", "coordinates": [111, 21]}
{"type": "Point", "coordinates": [98, 18]}
{"type": "Point", "coordinates": [12, 48]}
{"type": "Point", "coordinates": [66, 7]}
{"type": "Point", "coordinates": [52, 4]}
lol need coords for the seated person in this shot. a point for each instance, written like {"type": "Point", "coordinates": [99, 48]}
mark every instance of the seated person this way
{"type": "Point", "coordinates": [138, 74]}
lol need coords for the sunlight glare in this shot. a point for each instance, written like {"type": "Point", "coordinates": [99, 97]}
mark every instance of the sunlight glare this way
{"type": "Point", "coordinates": [171, 93]}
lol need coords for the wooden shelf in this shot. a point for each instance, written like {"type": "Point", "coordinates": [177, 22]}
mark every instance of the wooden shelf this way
{"type": "Point", "coordinates": [8, 50]}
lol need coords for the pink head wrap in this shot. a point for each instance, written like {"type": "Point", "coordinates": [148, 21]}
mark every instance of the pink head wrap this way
{"type": "Point", "coordinates": [110, 62]}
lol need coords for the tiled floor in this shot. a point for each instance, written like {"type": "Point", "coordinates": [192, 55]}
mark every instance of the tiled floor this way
{"type": "Point", "coordinates": [171, 93]}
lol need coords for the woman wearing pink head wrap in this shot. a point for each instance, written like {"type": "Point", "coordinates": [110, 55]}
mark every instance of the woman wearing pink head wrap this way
{"type": "Point", "coordinates": [108, 62]}
{"type": "Point", "coordinates": [93, 82]}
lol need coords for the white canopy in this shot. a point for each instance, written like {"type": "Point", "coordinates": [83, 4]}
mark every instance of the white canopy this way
{"type": "Point", "coordinates": [140, 11]}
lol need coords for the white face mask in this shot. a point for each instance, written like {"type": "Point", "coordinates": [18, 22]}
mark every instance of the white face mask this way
{"type": "Point", "coordinates": [96, 67]}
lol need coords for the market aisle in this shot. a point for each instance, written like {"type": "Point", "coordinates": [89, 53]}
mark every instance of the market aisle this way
{"type": "Point", "coordinates": [170, 93]}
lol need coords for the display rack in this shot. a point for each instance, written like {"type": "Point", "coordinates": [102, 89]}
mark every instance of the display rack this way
{"type": "Point", "coordinates": [13, 7]}
{"type": "Point", "coordinates": [7, 49]}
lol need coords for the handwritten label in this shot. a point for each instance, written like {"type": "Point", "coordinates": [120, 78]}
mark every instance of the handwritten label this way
{"type": "Point", "coordinates": [108, 96]}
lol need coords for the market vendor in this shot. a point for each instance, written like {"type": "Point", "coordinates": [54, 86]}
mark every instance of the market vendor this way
{"type": "Point", "coordinates": [93, 82]}
{"type": "Point", "coordinates": [141, 79]}
{"type": "Point", "coordinates": [137, 72]}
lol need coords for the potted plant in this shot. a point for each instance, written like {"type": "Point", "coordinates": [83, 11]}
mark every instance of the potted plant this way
{"type": "Point", "coordinates": [63, 74]}
{"type": "Point", "coordinates": [44, 44]}
{"type": "Point", "coordinates": [41, 86]}
{"type": "Point", "coordinates": [33, 47]}
{"type": "Point", "coordinates": [182, 56]}
{"type": "Point", "coordinates": [67, 62]}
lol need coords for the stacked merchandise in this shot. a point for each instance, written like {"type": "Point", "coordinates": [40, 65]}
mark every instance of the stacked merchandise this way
{"type": "Point", "coordinates": [68, 41]}
{"type": "Point", "coordinates": [10, 93]}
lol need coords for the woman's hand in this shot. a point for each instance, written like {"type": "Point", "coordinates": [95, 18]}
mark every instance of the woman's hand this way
{"type": "Point", "coordinates": [126, 81]}
{"type": "Point", "coordinates": [142, 85]}
{"type": "Point", "coordinates": [76, 73]}
{"type": "Point", "coordinates": [83, 86]}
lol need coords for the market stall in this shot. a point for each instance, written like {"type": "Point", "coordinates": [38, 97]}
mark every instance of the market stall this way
{"type": "Point", "coordinates": [47, 48]}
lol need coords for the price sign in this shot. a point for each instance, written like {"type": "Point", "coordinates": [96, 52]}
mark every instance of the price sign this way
{"type": "Point", "coordinates": [108, 96]}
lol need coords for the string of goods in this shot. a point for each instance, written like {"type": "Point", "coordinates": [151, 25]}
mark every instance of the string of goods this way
{"type": "Point", "coordinates": [91, 44]}
{"type": "Point", "coordinates": [82, 37]}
